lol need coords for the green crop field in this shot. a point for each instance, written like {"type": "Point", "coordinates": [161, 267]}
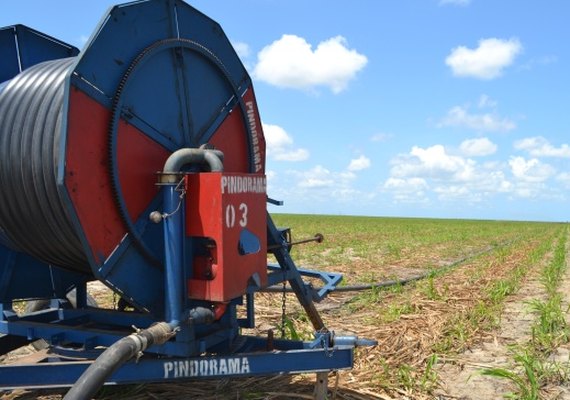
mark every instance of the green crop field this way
{"type": "Point", "coordinates": [476, 273]}
{"type": "Point", "coordinates": [487, 320]}
{"type": "Point", "coordinates": [369, 247]}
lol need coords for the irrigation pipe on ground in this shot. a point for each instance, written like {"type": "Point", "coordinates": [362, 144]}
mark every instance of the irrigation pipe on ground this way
{"type": "Point", "coordinates": [398, 282]}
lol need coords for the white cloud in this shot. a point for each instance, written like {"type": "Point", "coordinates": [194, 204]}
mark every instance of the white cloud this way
{"type": "Point", "coordinates": [290, 62]}
{"type": "Point", "coordinates": [358, 164]}
{"type": "Point", "coordinates": [293, 155]}
{"type": "Point", "coordinates": [276, 137]}
{"type": "Point", "coordinates": [494, 181]}
{"type": "Point", "coordinates": [487, 61]}
{"type": "Point", "coordinates": [242, 49]}
{"type": "Point", "coordinates": [456, 192]}
{"type": "Point", "coordinates": [530, 170]}
{"type": "Point", "coordinates": [435, 158]}
{"type": "Point", "coordinates": [318, 185]}
{"type": "Point", "coordinates": [433, 170]}
{"type": "Point", "coordinates": [317, 177]}
{"type": "Point", "coordinates": [538, 146]}
{"type": "Point", "coordinates": [433, 174]}
{"type": "Point", "coordinates": [477, 147]}
{"type": "Point", "coordinates": [407, 190]}
{"type": "Point", "coordinates": [462, 3]}
{"type": "Point", "coordinates": [525, 191]}
{"type": "Point", "coordinates": [432, 162]}
{"type": "Point", "coordinates": [280, 145]}
{"type": "Point", "coordinates": [414, 184]}
{"type": "Point", "coordinates": [272, 180]}
{"type": "Point", "coordinates": [459, 116]}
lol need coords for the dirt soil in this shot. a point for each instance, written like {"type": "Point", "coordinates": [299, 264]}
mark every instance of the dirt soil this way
{"type": "Point", "coordinates": [460, 377]}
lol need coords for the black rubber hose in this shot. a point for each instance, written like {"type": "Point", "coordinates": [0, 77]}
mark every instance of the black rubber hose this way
{"type": "Point", "coordinates": [114, 357]}
{"type": "Point", "coordinates": [394, 282]}
{"type": "Point", "coordinates": [94, 377]}
{"type": "Point", "coordinates": [405, 281]}
{"type": "Point", "coordinates": [384, 284]}
{"type": "Point", "coordinates": [358, 287]}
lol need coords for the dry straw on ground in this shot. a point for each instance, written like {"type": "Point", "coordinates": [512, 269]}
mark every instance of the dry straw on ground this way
{"type": "Point", "coordinates": [410, 325]}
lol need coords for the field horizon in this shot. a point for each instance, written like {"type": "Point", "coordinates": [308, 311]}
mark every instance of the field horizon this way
{"type": "Point", "coordinates": [419, 217]}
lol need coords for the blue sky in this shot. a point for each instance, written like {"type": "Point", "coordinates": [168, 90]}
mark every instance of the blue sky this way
{"type": "Point", "coordinates": [431, 108]}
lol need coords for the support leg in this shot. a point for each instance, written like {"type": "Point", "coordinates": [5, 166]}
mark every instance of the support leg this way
{"type": "Point", "coordinates": [321, 386]}
{"type": "Point", "coordinates": [286, 262]}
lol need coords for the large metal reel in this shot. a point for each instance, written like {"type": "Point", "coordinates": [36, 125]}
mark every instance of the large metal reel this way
{"type": "Point", "coordinates": [168, 86]}
{"type": "Point", "coordinates": [156, 76]}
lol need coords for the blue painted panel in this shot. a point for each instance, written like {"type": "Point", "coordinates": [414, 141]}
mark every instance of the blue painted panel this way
{"type": "Point", "coordinates": [179, 91]}
{"type": "Point", "coordinates": [208, 91]}
{"type": "Point", "coordinates": [160, 92]}
{"type": "Point", "coordinates": [138, 280]}
{"type": "Point", "coordinates": [36, 47]}
{"type": "Point", "coordinates": [195, 25]}
{"type": "Point", "coordinates": [154, 96]}
{"type": "Point", "coordinates": [124, 33]}
{"type": "Point", "coordinates": [22, 277]}
{"type": "Point", "coordinates": [9, 66]}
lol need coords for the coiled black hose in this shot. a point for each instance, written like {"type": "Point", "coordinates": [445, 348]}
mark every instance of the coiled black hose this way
{"type": "Point", "coordinates": [33, 217]}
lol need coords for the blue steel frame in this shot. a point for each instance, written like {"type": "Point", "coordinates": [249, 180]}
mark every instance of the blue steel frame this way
{"type": "Point", "coordinates": [62, 327]}
{"type": "Point", "coordinates": [59, 373]}
{"type": "Point", "coordinates": [330, 280]}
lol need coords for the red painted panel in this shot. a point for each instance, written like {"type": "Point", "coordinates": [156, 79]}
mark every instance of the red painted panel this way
{"type": "Point", "coordinates": [220, 209]}
{"type": "Point", "coordinates": [87, 176]}
{"type": "Point", "coordinates": [139, 158]}
{"type": "Point", "coordinates": [231, 138]}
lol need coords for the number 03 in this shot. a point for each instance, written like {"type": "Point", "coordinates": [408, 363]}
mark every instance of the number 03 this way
{"type": "Point", "coordinates": [231, 215]}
